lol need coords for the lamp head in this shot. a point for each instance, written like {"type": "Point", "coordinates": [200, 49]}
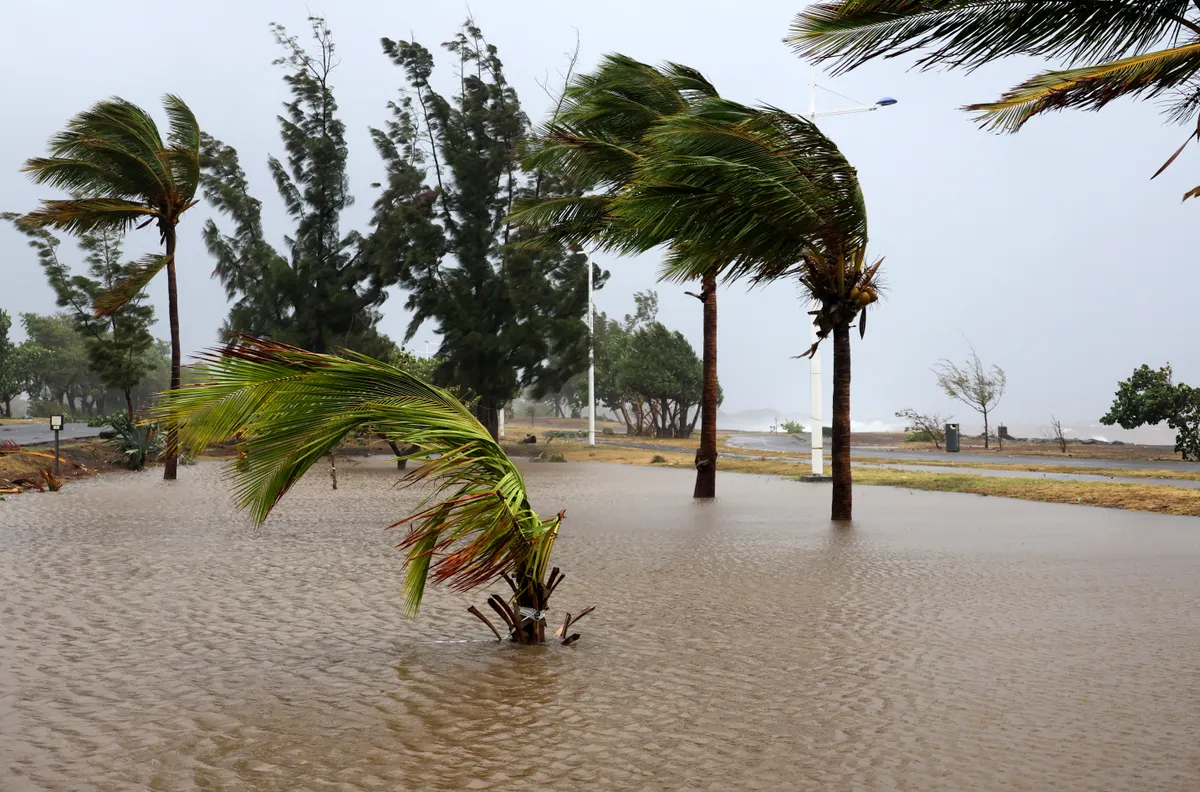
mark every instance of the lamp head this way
{"type": "Point", "coordinates": [886, 101]}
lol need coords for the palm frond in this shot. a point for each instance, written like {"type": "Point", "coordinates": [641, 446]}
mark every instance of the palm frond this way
{"type": "Point", "coordinates": [184, 153]}
{"type": "Point", "coordinates": [138, 276]}
{"type": "Point", "coordinates": [1091, 87]}
{"type": "Point", "coordinates": [970, 33]}
{"type": "Point", "coordinates": [756, 186]}
{"type": "Point", "coordinates": [119, 136]}
{"type": "Point", "coordinates": [84, 215]}
{"type": "Point", "coordinates": [292, 407]}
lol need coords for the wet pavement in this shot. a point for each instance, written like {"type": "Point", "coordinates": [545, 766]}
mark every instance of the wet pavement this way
{"type": "Point", "coordinates": [792, 445]}
{"type": "Point", "coordinates": [32, 433]}
{"type": "Point", "coordinates": [151, 639]}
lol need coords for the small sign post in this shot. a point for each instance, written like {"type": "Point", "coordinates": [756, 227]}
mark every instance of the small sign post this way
{"type": "Point", "coordinates": [56, 423]}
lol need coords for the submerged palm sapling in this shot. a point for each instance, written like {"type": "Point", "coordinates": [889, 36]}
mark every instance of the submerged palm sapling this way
{"type": "Point", "coordinates": [287, 408]}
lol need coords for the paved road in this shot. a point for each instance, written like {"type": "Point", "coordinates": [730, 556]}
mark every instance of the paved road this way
{"type": "Point", "coordinates": [33, 433]}
{"type": "Point", "coordinates": [789, 444]}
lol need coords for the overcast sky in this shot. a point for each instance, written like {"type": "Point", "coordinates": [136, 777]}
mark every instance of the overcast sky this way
{"type": "Point", "coordinates": [1050, 249]}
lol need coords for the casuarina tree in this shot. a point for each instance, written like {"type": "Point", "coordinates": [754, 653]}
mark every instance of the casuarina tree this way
{"type": "Point", "coordinates": [119, 172]}
{"type": "Point", "coordinates": [320, 293]}
{"type": "Point", "coordinates": [509, 315]}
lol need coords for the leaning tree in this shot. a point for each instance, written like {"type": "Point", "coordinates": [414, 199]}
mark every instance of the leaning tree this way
{"type": "Point", "coordinates": [288, 408]}
{"type": "Point", "coordinates": [119, 172]}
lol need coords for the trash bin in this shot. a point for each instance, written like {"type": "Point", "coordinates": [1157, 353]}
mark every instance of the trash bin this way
{"type": "Point", "coordinates": [952, 438]}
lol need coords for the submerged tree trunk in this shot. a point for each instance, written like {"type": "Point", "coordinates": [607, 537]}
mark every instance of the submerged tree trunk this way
{"type": "Point", "coordinates": [842, 495]}
{"type": "Point", "coordinates": [706, 455]}
{"type": "Point", "coordinates": [171, 451]}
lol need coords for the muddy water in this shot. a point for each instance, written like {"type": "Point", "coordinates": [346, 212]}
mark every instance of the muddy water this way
{"type": "Point", "coordinates": [150, 640]}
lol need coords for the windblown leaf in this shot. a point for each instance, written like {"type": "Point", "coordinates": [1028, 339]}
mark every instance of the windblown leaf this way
{"type": "Point", "coordinates": [139, 276]}
{"type": "Point", "coordinates": [1091, 87]}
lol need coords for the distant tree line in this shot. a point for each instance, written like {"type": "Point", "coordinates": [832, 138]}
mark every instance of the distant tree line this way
{"type": "Point", "coordinates": [64, 370]}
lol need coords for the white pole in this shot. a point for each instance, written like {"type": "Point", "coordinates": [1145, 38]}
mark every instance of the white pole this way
{"type": "Point", "coordinates": [500, 420]}
{"type": "Point", "coordinates": [815, 428]}
{"type": "Point", "coordinates": [591, 363]}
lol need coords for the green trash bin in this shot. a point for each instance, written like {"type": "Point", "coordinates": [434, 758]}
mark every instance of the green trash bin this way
{"type": "Point", "coordinates": [952, 438]}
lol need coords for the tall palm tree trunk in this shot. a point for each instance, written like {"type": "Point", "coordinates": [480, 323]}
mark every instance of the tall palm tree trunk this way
{"type": "Point", "coordinates": [171, 452]}
{"type": "Point", "coordinates": [842, 495]}
{"type": "Point", "coordinates": [706, 455]}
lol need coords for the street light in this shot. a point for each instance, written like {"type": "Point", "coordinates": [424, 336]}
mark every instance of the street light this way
{"type": "Point", "coordinates": [816, 427]}
{"type": "Point", "coordinates": [56, 424]}
{"type": "Point", "coordinates": [591, 325]}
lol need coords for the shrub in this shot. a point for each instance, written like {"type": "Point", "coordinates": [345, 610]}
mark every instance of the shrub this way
{"type": "Point", "coordinates": [607, 431]}
{"type": "Point", "coordinates": [140, 443]}
{"type": "Point", "coordinates": [919, 437]}
{"type": "Point", "coordinates": [792, 427]}
{"type": "Point", "coordinates": [54, 482]}
{"type": "Point", "coordinates": [44, 408]}
{"type": "Point", "coordinates": [658, 459]}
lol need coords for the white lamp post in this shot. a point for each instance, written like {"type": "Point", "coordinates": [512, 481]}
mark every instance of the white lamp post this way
{"type": "Point", "coordinates": [591, 313]}
{"type": "Point", "coordinates": [816, 427]}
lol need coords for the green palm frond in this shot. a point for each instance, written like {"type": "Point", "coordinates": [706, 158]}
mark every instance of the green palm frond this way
{"type": "Point", "coordinates": [85, 215]}
{"type": "Point", "coordinates": [113, 161]}
{"type": "Point", "coordinates": [970, 33]}
{"type": "Point", "coordinates": [758, 187]}
{"type": "Point", "coordinates": [136, 279]}
{"type": "Point", "coordinates": [292, 407]}
{"type": "Point", "coordinates": [596, 137]}
{"type": "Point", "coordinates": [183, 156]}
{"type": "Point", "coordinates": [1091, 87]}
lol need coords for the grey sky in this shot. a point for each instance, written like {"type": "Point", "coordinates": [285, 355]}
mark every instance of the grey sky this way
{"type": "Point", "coordinates": [1050, 249]}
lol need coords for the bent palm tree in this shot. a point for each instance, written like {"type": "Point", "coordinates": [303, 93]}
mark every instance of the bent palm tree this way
{"type": "Point", "coordinates": [771, 197]}
{"type": "Point", "coordinates": [119, 172]}
{"type": "Point", "coordinates": [596, 138]}
{"type": "Point", "coordinates": [289, 408]}
{"type": "Point", "coordinates": [1113, 48]}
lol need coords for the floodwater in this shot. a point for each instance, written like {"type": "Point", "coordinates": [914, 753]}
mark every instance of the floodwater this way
{"type": "Point", "coordinates": [150, 639]}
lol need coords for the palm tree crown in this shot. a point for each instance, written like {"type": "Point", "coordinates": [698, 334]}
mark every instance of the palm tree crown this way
{"type": "Point", "coordinates": [118, 171]}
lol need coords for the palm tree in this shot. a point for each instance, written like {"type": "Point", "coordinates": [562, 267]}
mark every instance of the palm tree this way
{"type": "Point", "coordinates": [117, 169]}
{"type": "Point", "coordinates": [1112, 49]}
{"type": "Point", "coordinates": [288, 408]}
{"type": "Point", "coordinates": [770, 197]}
{"type": "Point", "coordinates": [596, 138]}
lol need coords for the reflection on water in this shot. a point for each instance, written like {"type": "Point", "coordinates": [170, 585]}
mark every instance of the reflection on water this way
{"type": "Point", "coordinates": [149, 639]}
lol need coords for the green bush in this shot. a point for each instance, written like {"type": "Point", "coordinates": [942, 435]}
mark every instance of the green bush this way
{"type": "Point", "coordinates": [139, 443]}
{"type": "Point", "coordinates": [607, 431]}
{"type": "Point", "coordinates": [106, 420]}
{"type": "Point", "coordinates": [658, 459]}
{"type": "Point", "coordinates": [792, 427]}
{"type": "Point", "coordinates": [919, 437]}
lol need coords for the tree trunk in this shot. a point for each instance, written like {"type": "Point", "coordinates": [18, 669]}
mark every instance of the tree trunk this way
{"type": "Point", "coordinates": [171, 451]}
{"type": "Point", "coordinates": [842, 495]}
{"type": "Point", "coordinates": [486, 413]}
{"type": "Point", "coordinates": [8, 408]}
{"type": "Point", "coordinates": [401, 464]}
{"type": "Point", "coordinates": [706, 455]}
{"type": "Point", "coordinates": [129, 404]}
{"type": "Point", "coordinates": [985, 430]}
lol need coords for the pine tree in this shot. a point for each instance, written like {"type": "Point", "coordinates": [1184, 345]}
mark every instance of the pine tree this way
{"type": "Point", "coordinates": [319, 294]}
{"type": "Point", "coordinates": [504, 310]}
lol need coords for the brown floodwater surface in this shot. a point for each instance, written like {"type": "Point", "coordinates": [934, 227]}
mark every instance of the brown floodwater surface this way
{"type": "Point", "coordinates": [151, 639]}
